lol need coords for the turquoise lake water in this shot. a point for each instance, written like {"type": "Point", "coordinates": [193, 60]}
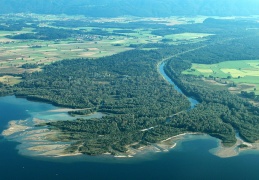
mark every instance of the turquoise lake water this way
{"type": "Point", "coordinates": [190, 159]}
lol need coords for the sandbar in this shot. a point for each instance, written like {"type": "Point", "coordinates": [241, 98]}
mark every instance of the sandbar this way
{"type": "Point", "coordinates": [226, 152]}
{"type": "Point", "coordinates": [41, 141]}
{"type": "Point", "coordinates": [14, 127]}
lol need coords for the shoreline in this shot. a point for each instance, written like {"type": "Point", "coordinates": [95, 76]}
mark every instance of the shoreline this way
{"type": "Point", "coordinates": [179, 135]}
{"type": "Point", "coordinates": [14, 127]}
{"type": "Point", "coordinates": [41, 142]}
{"type": "Point", "coordinates": [66, 110]}
{"type": "Point", "coordinates": [235, 150]}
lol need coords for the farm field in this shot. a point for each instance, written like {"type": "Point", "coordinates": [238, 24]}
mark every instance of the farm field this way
{"type": "Point", "coordinates": [187, 36]}
{"type": "Point", "coordinates": [16, 52]}
{"type": "Point", "coordinates": [244, 73]}
{"type": "Point", "coordinates": [95, 41]}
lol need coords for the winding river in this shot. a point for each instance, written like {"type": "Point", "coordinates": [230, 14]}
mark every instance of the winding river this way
{"type": "Point", "coordinates": [168, 79]}
{"type": "Point", "coordinates": [193, 101]}
{"type": "Point", "coordinates": [190, 159]}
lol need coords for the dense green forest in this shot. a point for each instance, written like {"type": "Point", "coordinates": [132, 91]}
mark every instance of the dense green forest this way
{"type": "Point", "coordinates": [235, 113]}
{"type": "Point", "coordinates": [133, 95]}
{"type": "Point", "coordinates": [226, 51]}
{"type": "Point", "coordinates": [15, 24]}
{"type": "Point", "coordinates": [125, 86]}
{"type": "Point", "coordinates": [140, 107]}
{"type": "Point", "coordinates": [47, 33]}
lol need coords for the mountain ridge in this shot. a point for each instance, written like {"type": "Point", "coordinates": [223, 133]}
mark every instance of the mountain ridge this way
{"type": "Point", "coordinates": [141, 8]}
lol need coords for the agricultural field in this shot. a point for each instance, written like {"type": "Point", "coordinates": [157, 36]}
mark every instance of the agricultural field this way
{"type": "Point", "coordinates": [10, 80]}
{"type": "Point", "coordinates": [186, 36]}
{"type": "Point", "coordinates": [93, 38]}
{"type": "Point", "coordinates": [245, 73]}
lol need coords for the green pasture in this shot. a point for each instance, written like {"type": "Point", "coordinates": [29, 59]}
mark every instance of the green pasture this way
{"type": "Point", "coordinates": [11, 80]}
{"type": "Point", "coordinates": [187, 37]}
{"type": "Point", "coordinates": [14, 53]}
{"type": "Point", "coordinates": [239, 72]}
{"type": "Point", "coordinates": [21, 51]}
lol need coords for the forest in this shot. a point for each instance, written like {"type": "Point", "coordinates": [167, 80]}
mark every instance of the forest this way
{"type": "Point", "coordinates": [105, 85]}
{"type": "Point", "coordinates": [237, 114]}
{"type": "Point", "coordinates": [140, 107]}
{"type": "Point", "coordinates": [49, 33]}
{"type": "Point", "coordinates": [134, 98]}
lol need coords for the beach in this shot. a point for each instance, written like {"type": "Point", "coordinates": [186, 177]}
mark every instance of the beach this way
{"type": "Point", "coordinates": [14, 127]}
{"type": "Point", "coordinates": [41, 141]}
{"type": "Point", "coordinates": [235, 150]}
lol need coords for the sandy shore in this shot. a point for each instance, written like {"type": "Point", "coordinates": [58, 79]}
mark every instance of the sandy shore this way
{"type": "Point", "coordinates": [179, 135]}
{"type": "Point", "coordinates": [14, 127]}
{"type": "Point", "coordinates": [36, 140]}
{"type": "Point", "coordinates": [40, 141]}
{"type": "Point", "coordinates": [162, 146]}
{"type": "Point", "coordinates": [43, 142]}
{"type": "Point", "coordinates": [52, 150]}
{"type": "Point", "coordinates": [66, 110]}
{"type": "Point", "coordinates": [225, 152]}
{"type": "Point", "coordinates": [38, 121]}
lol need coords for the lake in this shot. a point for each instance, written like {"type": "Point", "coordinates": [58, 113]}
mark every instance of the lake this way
{"type": "Point", "coordinates": [190, 159]}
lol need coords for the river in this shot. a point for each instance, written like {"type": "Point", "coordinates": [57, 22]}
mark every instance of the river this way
{"type": "Point", "coordinates": [190, 159]}
{"type": "Point", "coordinates": [162, 72]}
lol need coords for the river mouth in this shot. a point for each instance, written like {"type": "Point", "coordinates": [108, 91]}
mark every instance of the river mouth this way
{"type": "Point", "coordinates": [40, 141]}
{"type": "Point", "coordinates": [33, 141]}
{"type": "Point", "coordinates": [220, 151]}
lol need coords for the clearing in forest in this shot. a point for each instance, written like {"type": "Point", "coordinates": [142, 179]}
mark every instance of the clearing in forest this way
{"type": "Point", "coordinates": [243, 72]}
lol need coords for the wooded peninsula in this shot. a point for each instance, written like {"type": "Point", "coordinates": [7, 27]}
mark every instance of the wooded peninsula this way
{"type": "Point", "coordinates": [140, 107]}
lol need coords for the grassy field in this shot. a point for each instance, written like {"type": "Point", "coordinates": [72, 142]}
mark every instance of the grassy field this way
{"type": "Point", "coordinates": [10, 80]}
{"type": "Point", "coordinates": [244, 73]}
{"type": "Point", "coordinates": [14, 53]}
{"type": "Point", "coordinates": [186, 36]}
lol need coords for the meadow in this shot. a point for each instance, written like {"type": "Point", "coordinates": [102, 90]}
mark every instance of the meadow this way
{"type": "Point", "coordinates": [244, 73]}
{"type": "Point", "coordinates": [16, 52]}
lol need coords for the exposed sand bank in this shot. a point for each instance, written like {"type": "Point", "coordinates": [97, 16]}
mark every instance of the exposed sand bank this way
{"type": "Point", "coordinates": [162, 146]}
{"type": "Point", "coordinates": [66, 110]}
{"type": "Point", "coordinates": [225, 152]}
{"type": "Point", "coordinates": [14, 127]}
{"type": "Point", "coordinates": [36, 139]}
{"type": "Point", "coordinates": [40, 141]}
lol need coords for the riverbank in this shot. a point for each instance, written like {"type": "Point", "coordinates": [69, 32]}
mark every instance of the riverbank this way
{"type": "Point", "coordinates": [45, 142]}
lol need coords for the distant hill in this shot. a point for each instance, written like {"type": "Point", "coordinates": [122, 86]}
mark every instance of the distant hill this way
{"type": "Point", "coordinates": [142, 8]}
